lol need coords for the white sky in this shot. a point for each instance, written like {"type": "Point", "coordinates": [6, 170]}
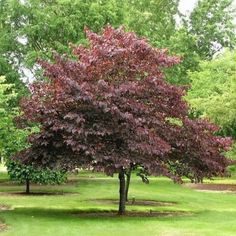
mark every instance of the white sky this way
{"type": "Point", "coordinates": [187, 5]}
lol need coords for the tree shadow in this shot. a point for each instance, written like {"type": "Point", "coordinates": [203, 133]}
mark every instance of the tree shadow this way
{"type": "Point", "coordinates": [37, 193]}
{"type": "Point", "coordinates": [88, 214]}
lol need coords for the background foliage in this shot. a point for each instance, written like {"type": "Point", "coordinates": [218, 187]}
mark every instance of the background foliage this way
{"type": "Point", "coordinates": [212, 91]}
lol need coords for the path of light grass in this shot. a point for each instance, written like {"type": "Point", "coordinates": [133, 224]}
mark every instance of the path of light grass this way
{"type": "Point", "coordinates": [213, 214]}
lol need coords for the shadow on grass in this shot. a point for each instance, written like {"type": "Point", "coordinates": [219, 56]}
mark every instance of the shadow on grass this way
{"type": "Point", "coordinates": [38, 193]}
{"type": "Point", "coordinates": [90, 213]}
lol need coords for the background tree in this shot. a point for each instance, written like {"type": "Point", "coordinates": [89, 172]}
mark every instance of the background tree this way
{"type": "Point", "coordinates": [212, 93]}
{"type": "Point", "coordinates": [28, 174]}
{"type": "Point", "coordinates": [43, 26]}
{"type": "Point", "coordinates": [211, 22]}
{"type": "Point", "coordinates": [11, 139]}
{"type": "Point", "coordinates": [208, 29]}
{"type": "Point", "coordinates": [8, 51]}
{"type": "Point", "coordinates": [111, 109]}
{"type": "Point", "coordinates": [154, 20]}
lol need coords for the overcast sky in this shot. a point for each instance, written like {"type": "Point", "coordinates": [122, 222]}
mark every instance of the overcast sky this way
{"type": "Point", "coordinates": [188, 5]}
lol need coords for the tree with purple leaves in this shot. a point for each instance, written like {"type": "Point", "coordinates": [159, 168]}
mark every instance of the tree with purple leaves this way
{"type": "Point", "coordinates": [110, 109]}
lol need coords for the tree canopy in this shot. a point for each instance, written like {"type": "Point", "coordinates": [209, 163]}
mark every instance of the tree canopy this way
{"type": "Point", "coordinates": [111, 108]}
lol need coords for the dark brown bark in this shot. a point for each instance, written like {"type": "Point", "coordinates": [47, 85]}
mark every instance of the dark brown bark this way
{"type": "Point", "coordinates": [128, 177]}
{"type": "Point", "coordinates": [122, 193]}
{"type": "Point", "coordinates": [27, 189]}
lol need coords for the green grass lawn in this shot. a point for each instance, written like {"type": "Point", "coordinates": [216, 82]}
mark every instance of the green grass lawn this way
{"type": "Point", "coordinates": [208, 213]}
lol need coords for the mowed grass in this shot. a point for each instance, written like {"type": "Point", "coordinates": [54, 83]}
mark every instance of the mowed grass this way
{"type": "Point", "coordinates": [202, 213]}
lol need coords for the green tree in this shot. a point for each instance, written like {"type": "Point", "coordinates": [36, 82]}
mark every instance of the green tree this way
{"type": "Point", "coordinates": [51, 25]}
{"type": "Point", "coordinates": [28, 174]}
{"type": "Point", "coordinates": [183, 43]}
{"type": "Point", "coordinates": [211, 22]}
{"type": "Point", "coordinates": [11, 138]}
{"type": "Point", "coordinates": [212, 93]}
{"type": "Point", "coordinates": [207, 30]}
{"type": "Point", "coordinates": [154, 20]}
{"type": "Point", "coordinates": [8, 50]}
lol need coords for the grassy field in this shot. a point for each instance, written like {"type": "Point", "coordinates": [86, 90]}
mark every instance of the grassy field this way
{"type": "Point", "coordinates": [202, 213]}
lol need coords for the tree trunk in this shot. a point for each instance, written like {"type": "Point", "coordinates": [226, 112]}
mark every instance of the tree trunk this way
{"type": "Point", "coordinates": [128, 177]}
{"type": "Point", "coordinates": [122, 193]}
{"type": "Point", "coordinates": [27, 189]}
{"type": "Point", "coordinates": [198, 180]}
